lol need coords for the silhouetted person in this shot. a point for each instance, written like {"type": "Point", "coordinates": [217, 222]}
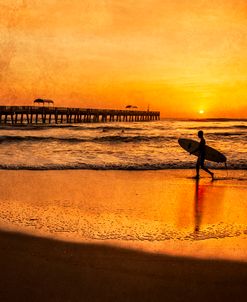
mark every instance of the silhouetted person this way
{"type": "Point", "coordinates": [201, 156]}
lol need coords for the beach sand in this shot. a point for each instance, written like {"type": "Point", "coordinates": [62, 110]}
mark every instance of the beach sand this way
{"type": "Point", "coordinates": [123, 236]}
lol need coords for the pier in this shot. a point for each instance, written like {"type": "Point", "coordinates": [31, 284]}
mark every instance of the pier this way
{"type": "Point", "coordinates": [57, 115]}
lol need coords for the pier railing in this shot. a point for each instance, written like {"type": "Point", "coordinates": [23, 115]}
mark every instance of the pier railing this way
{"type": "Point", "coordinates": [48, 115]}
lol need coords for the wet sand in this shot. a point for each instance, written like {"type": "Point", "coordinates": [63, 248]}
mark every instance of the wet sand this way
{"type": "Point", "coordinates": [122, 236]}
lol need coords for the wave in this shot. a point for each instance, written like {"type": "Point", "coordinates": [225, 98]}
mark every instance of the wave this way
{"type": "Point", "coordinates": [107, 139]}
{"type": "Point", "coordinates": [137, 138]}
{"type": "Point", "coordinates": [128, 167]}
{"type": "Point", "coordinates": [219, 127]}
{"type": "Point", "coordinates": [227, 133]}
{"type": "Point", "coordinates": [79, 127]}
{"type": "Point", "coordinates": [241, 126]}
{"type": "Point", "coordinates": [116, 128]}
{"type": "Point", "coordinates": [216, 120]}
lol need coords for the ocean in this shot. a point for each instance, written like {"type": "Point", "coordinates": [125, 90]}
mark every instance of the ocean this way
{"type": "Point", "coordinates": [119, 146]}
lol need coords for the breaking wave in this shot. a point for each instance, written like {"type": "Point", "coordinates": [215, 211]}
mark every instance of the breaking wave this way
{"type": "Point", "coordinates": [107, 139]}
{"type": "Point", "coordinates": [129, 167]}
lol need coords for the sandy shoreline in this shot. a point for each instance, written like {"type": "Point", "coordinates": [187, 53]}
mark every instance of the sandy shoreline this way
{"type": "Point", "coordinates": [134, 209]}
{"type": "Point", "coordinates": [126, 236]}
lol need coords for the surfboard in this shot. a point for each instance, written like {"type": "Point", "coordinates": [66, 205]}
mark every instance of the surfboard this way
{"type": "Point", "coordinates": [211, 154]}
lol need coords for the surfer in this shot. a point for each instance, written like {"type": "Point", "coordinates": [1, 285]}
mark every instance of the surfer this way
{"type": "Point", "coordinates": [201, 157]}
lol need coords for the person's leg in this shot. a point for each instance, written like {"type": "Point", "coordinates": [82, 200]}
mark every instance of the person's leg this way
{"type": "Point", "coordinates": [198, 167]}
{"type": "Point", "coordinates": [206, 169]}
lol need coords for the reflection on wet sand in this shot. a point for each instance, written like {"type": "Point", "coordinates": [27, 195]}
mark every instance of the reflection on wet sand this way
{"type": "Point", "coordinates": [199, 198]}
{"type": "Point", "coordinates": [161, 211]}
{"type": "Point", "coordinates": [207, 204]}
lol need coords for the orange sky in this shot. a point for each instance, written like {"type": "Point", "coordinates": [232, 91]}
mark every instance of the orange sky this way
{"type": "Point", "coordinates": [179, 56]}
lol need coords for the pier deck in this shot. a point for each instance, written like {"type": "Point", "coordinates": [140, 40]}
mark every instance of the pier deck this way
{"type": "Point", "coordinates": [49, 115]}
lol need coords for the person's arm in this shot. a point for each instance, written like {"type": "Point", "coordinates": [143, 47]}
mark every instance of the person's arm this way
{"type": "Point", "coordinates": [200, 146]}
{"type": "Point", "coordinates": [196, 149]}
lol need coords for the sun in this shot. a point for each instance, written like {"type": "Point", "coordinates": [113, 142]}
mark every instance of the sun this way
{"type": "Point", "coordinates": [201, 111]}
